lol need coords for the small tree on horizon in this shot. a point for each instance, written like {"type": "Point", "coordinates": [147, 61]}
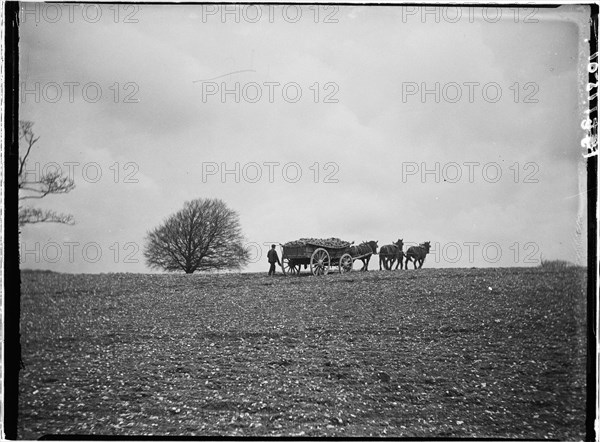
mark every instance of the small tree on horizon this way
{"type": "Point", "coordinates": [203, 236]}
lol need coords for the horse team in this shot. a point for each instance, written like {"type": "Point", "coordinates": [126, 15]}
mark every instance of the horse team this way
{"type": "Point", "coordinates": [391, 254]}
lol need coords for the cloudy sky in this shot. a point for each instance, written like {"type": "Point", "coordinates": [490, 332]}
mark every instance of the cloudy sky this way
{"type": "Point", "coordinates": [310, 122]}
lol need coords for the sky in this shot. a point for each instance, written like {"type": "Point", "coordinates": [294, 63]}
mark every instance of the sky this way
{"type": "Point", "coordinates": [458, 126]}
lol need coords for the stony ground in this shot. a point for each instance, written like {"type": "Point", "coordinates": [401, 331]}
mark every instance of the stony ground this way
{"type": "Point", "coordinates": [478, 353]}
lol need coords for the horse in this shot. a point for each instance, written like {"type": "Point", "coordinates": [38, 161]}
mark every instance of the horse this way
{"type": "Point", "coordinates": [417, 253]}
{"type": "Point", "coordinates": [366, 248]}
{"type": "Point", "coordinates": [390, 253]}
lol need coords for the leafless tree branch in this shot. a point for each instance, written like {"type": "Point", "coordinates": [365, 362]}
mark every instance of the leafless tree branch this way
{"type": "Point", "coordinates": [50, 183]}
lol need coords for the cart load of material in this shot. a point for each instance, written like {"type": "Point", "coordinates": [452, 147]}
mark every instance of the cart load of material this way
{"type": "Point", "coordinates": [333, 243]}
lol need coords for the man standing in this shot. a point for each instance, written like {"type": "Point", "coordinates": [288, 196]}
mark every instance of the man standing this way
{"type": "Point", "coordinates": [273, 258]}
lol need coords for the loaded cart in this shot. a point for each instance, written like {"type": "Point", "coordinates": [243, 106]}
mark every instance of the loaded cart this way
{"type": "Point", "coordinates": [320, 254]}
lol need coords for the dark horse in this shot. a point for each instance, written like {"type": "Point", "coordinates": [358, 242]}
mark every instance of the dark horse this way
{"type": "Point", "coordinates": [390, 253]}
{"type": "Point", "coordinates": [417, 253]}
{"type": "Point", "coordinates": [366, 249]}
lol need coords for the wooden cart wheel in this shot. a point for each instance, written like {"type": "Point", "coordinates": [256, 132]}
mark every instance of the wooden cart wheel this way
{"type": "Point", "coordinates": [289, 267]}
{"type": "Point", "coordinates": [345, 263]}
{"type": "Point", "coordinates": [320, 262]}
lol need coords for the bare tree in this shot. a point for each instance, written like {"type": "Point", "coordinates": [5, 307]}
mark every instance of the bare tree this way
{"type": "Point", "coordinates": [41, 185]}
{"type": "Point", "coordinates": [205, 235]}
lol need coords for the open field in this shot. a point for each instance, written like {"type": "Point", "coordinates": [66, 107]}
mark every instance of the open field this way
{"type": "Point", "coordinates": [428, 353]}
